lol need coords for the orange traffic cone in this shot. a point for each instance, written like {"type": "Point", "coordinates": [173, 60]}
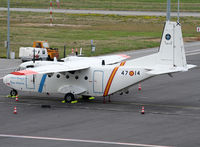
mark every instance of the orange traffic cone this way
{"type": "Point", "coordinates": [16, 99]}
{"type": "Point", "coordinates": [139, 87]}
{"type": "Point", "coordinates": [142, 112]}
{"type": "Point", "coordinates": [15, 110]}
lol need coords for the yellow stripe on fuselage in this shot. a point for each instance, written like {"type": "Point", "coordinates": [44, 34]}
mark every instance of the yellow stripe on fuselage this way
{"type": "Point", "coordinates": [111, 78]}
{"type": "Point", "coordinates": [122, 63]}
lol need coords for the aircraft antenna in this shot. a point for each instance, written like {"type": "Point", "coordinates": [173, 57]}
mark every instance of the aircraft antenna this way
{"type": "Point", "coordinates": [168, 9]}
{"type": "Point", "coordinates": [178, 13]}
{"type": "Point", "coordinates": [34, 55]}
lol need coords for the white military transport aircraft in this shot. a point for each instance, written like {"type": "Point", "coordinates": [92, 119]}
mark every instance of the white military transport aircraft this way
{"type": "Point", "coordinates": [100, 76]}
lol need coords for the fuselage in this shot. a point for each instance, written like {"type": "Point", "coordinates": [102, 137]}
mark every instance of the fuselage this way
{"type": "Point", "coordinates": [98, 80]}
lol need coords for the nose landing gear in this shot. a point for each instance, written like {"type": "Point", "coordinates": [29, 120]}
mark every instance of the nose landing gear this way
{"type": "Point", "coordinates": [13, 92]}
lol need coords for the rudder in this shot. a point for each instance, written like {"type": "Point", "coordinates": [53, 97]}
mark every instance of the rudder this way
{"type": "Point", "coordinates": [172, 50]}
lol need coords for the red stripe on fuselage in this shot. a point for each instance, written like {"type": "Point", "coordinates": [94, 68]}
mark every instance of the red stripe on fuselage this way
{"type": "Point", "coordinates": [106, 91]}
{"type": "Point", "coordinates": [24, 72]}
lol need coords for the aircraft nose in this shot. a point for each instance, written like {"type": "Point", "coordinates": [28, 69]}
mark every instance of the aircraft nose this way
{"type": "Point", "coordinates": [5, 80]}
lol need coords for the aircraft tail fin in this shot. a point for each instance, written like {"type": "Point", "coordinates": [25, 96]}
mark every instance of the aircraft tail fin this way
{"type": "Point", "coordinates": [172, 50]}
{"type": "Point", "coordinates": [171, 56]}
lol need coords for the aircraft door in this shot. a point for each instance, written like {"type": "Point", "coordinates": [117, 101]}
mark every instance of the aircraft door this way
{"type": "Point", "coordinates": [30, 81]}
{"type": "Point", "coordinates": [98, 81]}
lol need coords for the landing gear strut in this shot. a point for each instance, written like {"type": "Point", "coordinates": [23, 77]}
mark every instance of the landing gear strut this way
{"type": "Point", "coordinates": [13, 92]}
{"type": "Point", "coordinates": [69, 97]}
{"type": "Point", "coordinates": [109, 99]}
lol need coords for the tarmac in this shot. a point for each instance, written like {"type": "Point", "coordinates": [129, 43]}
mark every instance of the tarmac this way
{"type": "Point", "coordinates": [172, 113]}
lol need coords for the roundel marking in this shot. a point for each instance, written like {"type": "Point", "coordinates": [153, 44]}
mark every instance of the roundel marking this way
{"type": "Point", "coordinates": [167, 36]}
{"type": "Point", "coordinates": [131, 73]}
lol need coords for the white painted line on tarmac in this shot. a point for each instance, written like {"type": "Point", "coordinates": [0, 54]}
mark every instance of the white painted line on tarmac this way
{"type": "Point", "coordinates": [79, 140]}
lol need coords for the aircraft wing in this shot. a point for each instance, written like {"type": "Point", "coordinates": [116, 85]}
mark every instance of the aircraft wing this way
{"type": "Point", "coordinates": [112, 59]}
{"type": "Point", "coordinates": [56, 67]}
{"type": "Point", "coordinates": [109, 59]}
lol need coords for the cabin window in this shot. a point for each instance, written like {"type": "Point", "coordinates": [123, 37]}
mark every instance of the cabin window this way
{"type": "Point", "coordinates": [67, 76]}
{"type": "Point", "coordinates": [76, 77]}
{"type": "Point", "coordinates": [86, 78]}
{"type": "Point", "coordinates": [58, 75]}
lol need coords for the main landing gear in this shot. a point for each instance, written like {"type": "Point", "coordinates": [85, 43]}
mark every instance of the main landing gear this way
{"type": "Point", "coordinates": [69, 97]}
{"type": "Point", "coordinates": [13, 92]}
{"type": "Point", "coordinates": [109, 99]}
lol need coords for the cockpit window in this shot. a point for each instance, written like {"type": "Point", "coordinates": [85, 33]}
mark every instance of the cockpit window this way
{"type": "Point", "coordinates": [20, 68]}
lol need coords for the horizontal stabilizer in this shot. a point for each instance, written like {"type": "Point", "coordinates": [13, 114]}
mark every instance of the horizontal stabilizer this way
{"type": "Point", "coordinates": [162, 70]}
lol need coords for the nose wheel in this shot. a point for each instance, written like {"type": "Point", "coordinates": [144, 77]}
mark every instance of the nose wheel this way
{"type": "Point", "coordinates": [13, 92]}
{"type": "Point", "coordinates": [69, 97]}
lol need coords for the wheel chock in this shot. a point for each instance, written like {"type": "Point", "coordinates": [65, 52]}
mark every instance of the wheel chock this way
{"type": "Point", "coordinates": [91, 98]}
{"type": "Point", "coordinates": [63, 101]}
{"type": "Point", "coordinates": [74, 102]}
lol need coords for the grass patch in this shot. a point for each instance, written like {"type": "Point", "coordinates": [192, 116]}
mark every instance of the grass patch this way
{"type": "Point", "coordinates": [111, 33]}
{"type": "Point", "coordinates": [142, 5]}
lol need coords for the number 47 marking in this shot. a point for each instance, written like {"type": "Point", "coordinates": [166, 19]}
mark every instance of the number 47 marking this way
{"type": "Point", "coordinates": [134, 72]}
{"type": "Point", "coordinates": [124, 72]}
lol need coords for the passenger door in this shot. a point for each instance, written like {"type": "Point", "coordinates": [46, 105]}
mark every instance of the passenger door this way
{"type": "Point", "coordinates": [98, 81]}
{"type": "Point", "coordinates": [30, 81]}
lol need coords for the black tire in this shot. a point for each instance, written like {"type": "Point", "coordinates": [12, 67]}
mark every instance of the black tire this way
{"type": "Point", "coordinates": [69, 97]}
{"type": "Point", "coordinates": [13, 92]}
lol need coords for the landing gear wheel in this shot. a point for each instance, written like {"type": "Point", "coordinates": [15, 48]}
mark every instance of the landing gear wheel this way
{"type": "Point", "coordinates": [69, 97]}
{"type": "Point", "coordinates": [13, 92]}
